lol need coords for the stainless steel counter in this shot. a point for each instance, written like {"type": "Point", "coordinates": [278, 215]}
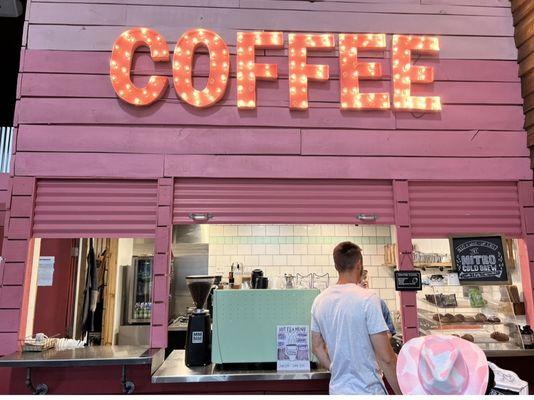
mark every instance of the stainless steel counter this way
{"type": "Point", "coordinates": [86, 356]}
{"type": "Point", "coordinates": [509, 353]}
{"type": "Point", "coordinates": [174, 370]}
{"type": "Point", "coordinates": [178, 326]}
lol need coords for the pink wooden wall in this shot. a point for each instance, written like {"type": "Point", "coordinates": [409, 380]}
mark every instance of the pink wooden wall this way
{"type": "Point", "coordinates": [70, 124]}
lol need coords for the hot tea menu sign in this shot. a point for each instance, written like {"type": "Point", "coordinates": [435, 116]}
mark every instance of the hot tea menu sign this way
{"type": "Point", "coordinates": [293, 347]}
{"type": "Point", "coordinates": [480, 260]}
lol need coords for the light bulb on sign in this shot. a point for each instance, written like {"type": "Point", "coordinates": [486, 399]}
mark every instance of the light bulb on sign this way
{"type": "Point", "coordinates": [299, 44]}
{"type": "Point", "coordinates": [183, 67]}
{"type": "Point", "coordinates": [404, 73]}
{"type": "Point", "coordinates": [352, 72]}
{"type": "Point", "coordinates": [248, 71]}
{"type": "Point", "coordinates": [121, 60]}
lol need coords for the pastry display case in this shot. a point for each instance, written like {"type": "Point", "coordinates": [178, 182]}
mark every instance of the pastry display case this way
{"type": "Point", "coordinates": [481, 314]}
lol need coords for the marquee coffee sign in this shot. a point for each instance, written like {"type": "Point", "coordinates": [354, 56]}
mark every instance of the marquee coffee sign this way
{"type": "Point", "coordinates": [352, 70]}
{"type": "Point", "coordinates": [480, 260]}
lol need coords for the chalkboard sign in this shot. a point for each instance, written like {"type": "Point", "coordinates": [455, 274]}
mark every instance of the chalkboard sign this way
{"type": "Point", "coordinates": [480, 260]}
{"type": "Point", "coordinates": [408, 280]}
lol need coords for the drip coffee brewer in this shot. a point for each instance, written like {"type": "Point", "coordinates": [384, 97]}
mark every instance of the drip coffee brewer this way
{"type": "Point", "coordinates": [198, 341]}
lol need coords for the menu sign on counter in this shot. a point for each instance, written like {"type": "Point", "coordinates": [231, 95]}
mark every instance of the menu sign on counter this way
{"type": "Point", "coordinates": [293, 347]}
{"type": "Point", "coordinates": [480, 260]}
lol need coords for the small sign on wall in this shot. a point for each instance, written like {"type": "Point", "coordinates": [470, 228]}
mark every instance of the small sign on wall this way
{"type": "Point", "coordinates": [45, 274]}
{"type": "Point", "coordinates": [408, 281]}
{"type": "Point", "coordinates": [480, 260]}
{"type": "Point", "coordinates": [293, 347]}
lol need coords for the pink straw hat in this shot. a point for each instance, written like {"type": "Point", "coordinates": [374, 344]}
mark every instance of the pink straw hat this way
{"type": "Point", "coordinates": [442, 365]}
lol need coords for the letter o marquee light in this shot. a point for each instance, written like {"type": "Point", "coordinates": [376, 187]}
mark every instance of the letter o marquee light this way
{"type": "Point", "coordinates": [182, 66]}
{"type": "Point", "coordinates": [121, 65]}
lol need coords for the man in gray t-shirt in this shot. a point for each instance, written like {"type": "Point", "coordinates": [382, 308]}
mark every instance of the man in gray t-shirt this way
{"type": "Point", "coordinates": [349, 334]}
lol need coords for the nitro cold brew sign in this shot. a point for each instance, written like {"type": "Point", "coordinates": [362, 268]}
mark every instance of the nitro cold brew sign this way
{"type": "Point", "coordinates": [480, 260]}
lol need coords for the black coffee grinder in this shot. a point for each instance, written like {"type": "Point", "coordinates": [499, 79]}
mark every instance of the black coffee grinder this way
{"type": "Point", "coordinates": [198, 340]}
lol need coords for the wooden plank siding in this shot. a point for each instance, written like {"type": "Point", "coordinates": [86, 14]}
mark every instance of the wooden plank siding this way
{"type": "Point", "coordinates": [523, 16]}
{"type": "Point", "coordinates": [71, 124]}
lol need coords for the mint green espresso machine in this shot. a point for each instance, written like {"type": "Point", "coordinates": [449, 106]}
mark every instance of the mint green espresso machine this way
{"type": "Point", "coordinates": [245, 321]}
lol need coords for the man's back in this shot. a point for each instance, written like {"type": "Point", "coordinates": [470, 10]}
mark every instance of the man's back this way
{"type": "Point", "coordinates": [346, 315]}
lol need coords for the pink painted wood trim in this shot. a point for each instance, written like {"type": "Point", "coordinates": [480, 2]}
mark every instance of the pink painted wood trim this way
{"type": "Point", "coordinates": [402, 7]}
{"type": "Point", "coordinates": [276, 93]}
{"type": "Point", "coordinates": [478, 3]}
{"type": "Point", "coordinates": [526, 193]}
{"type": "Point", "coordinates": [465, 117]}
{"type": "Point", "coordinates": [4, 182]}
{"type": "Point", "coordinates": [176, 3]}
{"type": "Point", "coordinates": [89, 165]}
{"type": "Point", "coordinates": [270, 141]}
{"type": "Point", "coordinates": [527, 279]}
{"type": "Point", "coordinates": [113, 111]}
{"type": "Point", "coordinates": [162, 261]}
{"type": "Point", "coordinates": [158, 140]}
{"type": "Point", "coordinates": [101, 38]}
{"type": "Point", "coordinates": [91, 62]}
{"type": "Point", "coordinates": [252, 19]}
{"type": "Point", "coordinates": [413, 143]}
{"type": "Point", "coordinates": [408, 303]}
{"type": "Point", "coordinates": [422, 168]}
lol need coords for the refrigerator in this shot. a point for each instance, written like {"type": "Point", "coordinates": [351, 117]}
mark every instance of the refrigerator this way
{"type": "Point", "coordinates": [139, 308]}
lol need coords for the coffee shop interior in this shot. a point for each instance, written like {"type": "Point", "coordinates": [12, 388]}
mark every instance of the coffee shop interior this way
{"type": "Point", "coordinates": [99, 291]}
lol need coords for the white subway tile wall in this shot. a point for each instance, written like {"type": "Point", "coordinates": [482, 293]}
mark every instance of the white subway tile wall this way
{"type": "Point", "coordinates": [279, 249]}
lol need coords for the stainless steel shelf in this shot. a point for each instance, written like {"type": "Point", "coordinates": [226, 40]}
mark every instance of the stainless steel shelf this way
{"type": "Point", "coordinates": [82, 357]}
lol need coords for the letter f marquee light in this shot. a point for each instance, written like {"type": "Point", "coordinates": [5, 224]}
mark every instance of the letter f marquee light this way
{"type": "Point", "coordinates": [351, 69]}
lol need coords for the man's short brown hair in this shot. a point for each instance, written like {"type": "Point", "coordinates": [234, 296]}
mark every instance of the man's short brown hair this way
{"type": "Point", "coordinates": [346, 256]}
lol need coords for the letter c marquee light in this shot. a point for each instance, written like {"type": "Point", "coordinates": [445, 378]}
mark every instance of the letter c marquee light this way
{"type": "Point", "coordinates": [182, 66]}
{"type": "Point", "coordinates": [121, 65]}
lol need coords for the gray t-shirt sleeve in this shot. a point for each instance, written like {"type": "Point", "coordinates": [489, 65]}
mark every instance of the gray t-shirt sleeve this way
{"type": "Point", "coordinates": [373, 316]}
{"type": "Point", "coordinates": [314, 321]}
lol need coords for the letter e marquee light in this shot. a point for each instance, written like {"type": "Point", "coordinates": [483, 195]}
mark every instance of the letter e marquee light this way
{"type": "Point", "coordinates": [351, 71]}
{"type": "Point", "coordinates": [121, 65]}
{"type": "Point", "coordinates": [404, 73]}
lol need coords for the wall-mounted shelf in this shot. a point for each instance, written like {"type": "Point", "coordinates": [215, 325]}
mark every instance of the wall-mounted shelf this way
{"type": "Point", "coordinates": [425, 265]}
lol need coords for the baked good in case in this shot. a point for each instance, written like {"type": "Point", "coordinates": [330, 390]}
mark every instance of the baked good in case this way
{"type": "Point", "coordinates": [448, 318]}
{"type": "Point", "coordinates": [459, 317]}
{"type": "Point", "coordinates": [493, 319]}
{"type": "Point", "coordinates": [481, 317]}
{"type": "Point", "coordinates": [468, 337]}
{"type": "Point", "coordinates": [500, 337]}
